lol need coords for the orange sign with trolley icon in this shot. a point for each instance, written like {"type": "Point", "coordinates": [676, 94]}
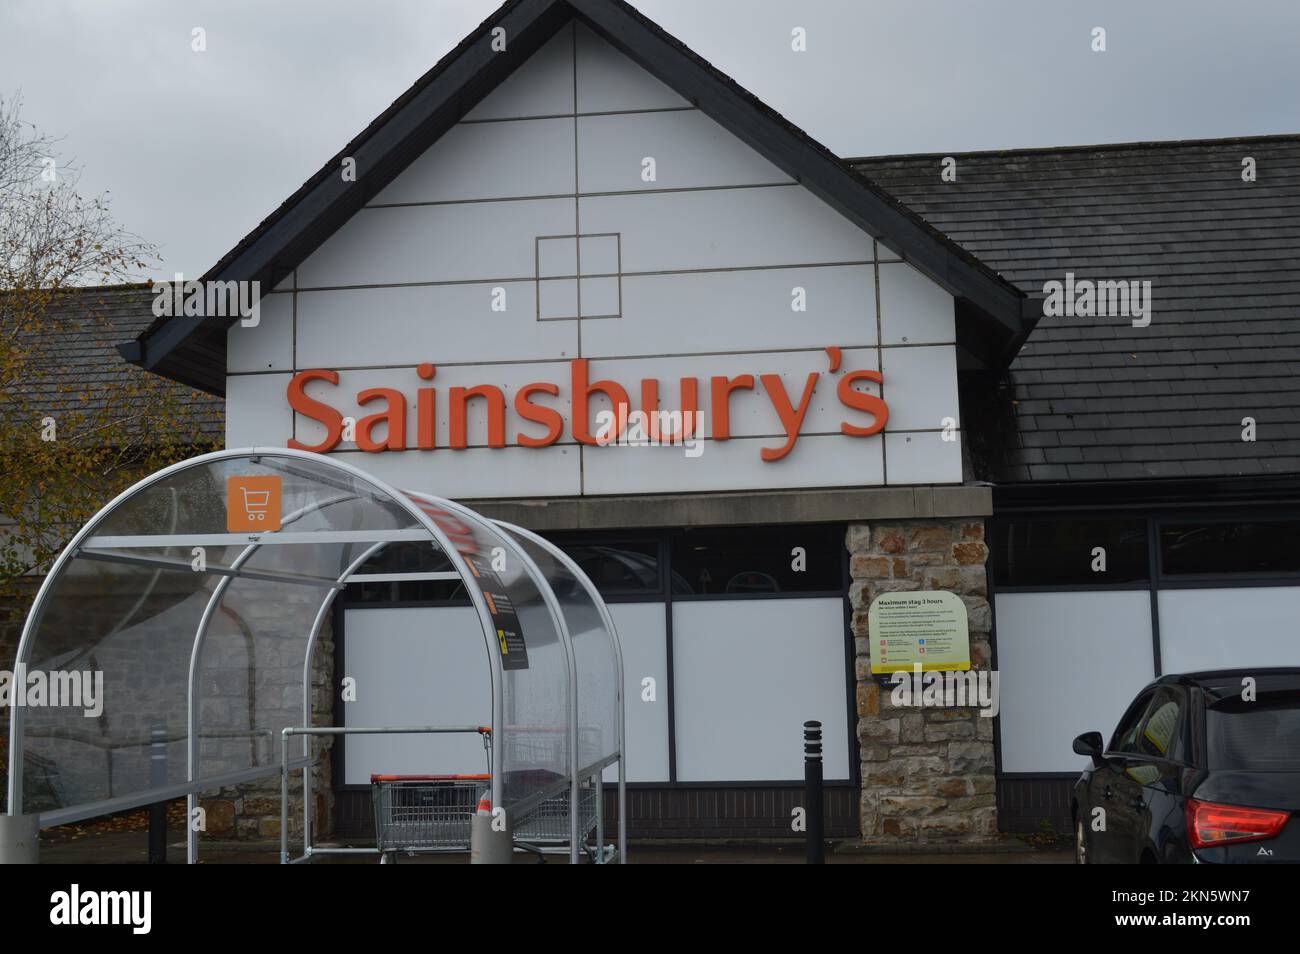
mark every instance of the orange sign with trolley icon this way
{"type": "Point", "coordinates": [252, 504]}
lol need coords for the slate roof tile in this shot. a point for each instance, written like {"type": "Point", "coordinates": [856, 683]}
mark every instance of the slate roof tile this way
{"type": "Point", "coordinates": [1223, 342]}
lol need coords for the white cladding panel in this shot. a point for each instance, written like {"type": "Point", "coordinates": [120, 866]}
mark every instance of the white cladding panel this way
{"type": "Point", "coordinates": [257, 413]}
{"type": "Point", "coordinates": [923, 457]}
{"type": "Point", "coordinates": [913, 309]}
{"type": "Point", "coordinates": [920, 386]}
{"type": "Point", "coordinates": [425, 666]}
{"type": "Point", "coordinates": [725, 228]}
{"type": "Point", "coordinates": [816, 461]}
{"type": "Point", "coordinates": [642, 633]}
{"type": "Point", "coordinates": [490, 161]}
{"type": "Point", "coordinates": [747, 675]}
{"type": "Point", "coordinates": [607, 81]}
{"type": "Point", "coordinates": [542, 86]}
{"type": "Point", "coordinates": [735, 275]}
{"type": "Point", "coordinates": [267, 345]}
{"type": "Point", "coordinates": [475, 241]}
{"type": "Point", "coordinates": [1069, 662]}
{"type": "Point", "coordinates": [478, 472]}
{"type": "Point", "coordinates": [1229, 628]}
{"type": "Point", "coordinates": [687, 148]}
{"type": "Point", "coordinates": [444, 323]}
{"type": "Point", "coordinates": [706, 312]}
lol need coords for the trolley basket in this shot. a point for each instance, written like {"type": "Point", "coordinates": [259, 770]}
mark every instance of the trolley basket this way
{"type": "Point", "coordinates": [424, 813]}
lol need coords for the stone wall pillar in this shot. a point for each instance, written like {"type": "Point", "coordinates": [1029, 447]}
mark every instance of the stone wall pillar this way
{"type": "Point", "coordinates": [927, 772]}
{"type": "Point", "coordinates": [250, 811]}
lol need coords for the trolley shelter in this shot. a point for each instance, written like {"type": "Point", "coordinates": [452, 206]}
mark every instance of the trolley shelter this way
{"type": "Point", "coordinates": [199, 594]}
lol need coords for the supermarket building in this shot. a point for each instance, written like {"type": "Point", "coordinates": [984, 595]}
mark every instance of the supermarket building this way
{"type": "Point", "coordinates": [572, 213]}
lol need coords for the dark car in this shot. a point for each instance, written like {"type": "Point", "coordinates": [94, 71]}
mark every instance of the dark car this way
{"type": "Point", "coordinates": [1203, 768]}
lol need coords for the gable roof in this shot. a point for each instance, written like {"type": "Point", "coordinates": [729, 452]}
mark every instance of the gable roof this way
{"type": "Point", "coordinates": [1095, 398]}
{"type": "Point", "coordinates": [993, 318]}
{"type": "Point", "coordinates": [71, 364]}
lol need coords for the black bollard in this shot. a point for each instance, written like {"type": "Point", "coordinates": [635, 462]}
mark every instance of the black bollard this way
{"type": "Point", "coordinates": [812, 779]}
{"type": "Point", "coordinates": [158, 810]}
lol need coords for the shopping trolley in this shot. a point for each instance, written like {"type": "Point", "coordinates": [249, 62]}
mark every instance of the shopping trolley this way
{"type": "Point", "coordinates": [256, 503]}
{"type": "Point", "coordinates": [424, 813]}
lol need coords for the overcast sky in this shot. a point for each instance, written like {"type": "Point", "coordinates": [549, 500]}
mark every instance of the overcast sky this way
{"type": "Point", "coordinates": [197, 148]}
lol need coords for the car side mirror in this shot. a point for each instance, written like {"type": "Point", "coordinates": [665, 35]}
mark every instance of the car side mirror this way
{"type": "Point", "coordinates": [1089, 744]}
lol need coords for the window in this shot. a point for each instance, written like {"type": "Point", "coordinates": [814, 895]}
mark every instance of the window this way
{"type": "Point", "coordinates": [407, 557]}
{"type": "Point", "coordinates": [754, 561]}
{"type": "Point", "coordinates": [1161, 736]}
{"type": "Point", "coordinates": [1252, 547]}
{"type": "Point", "coordinates": [618, 568]}
{"type": "Point", "coordinates": [1125, 739]}
{"type": "Point", "coordinates": [1065, 552]}
{"type": "Point", "coordinates": [1262, 735]}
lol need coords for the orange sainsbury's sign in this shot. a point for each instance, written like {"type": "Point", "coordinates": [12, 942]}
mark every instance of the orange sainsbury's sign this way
{"type": "Point", "coordinates": [544, 425]}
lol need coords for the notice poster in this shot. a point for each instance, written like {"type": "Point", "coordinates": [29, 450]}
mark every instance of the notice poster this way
{"type": "Point", "coordinates": [927, 627]}
{"type": "Point", "coordinates": [509, 633]}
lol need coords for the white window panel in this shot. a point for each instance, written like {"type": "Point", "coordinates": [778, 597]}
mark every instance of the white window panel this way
{"type": "Point", "coordinates": [1069, 663]}
{"type": "Point", "coordinates": [642, 635]}
{"type": "Point", "coordinates": [747, 675]}
{"type": "Point", "coordinates": [415, 666]}
{"type": "Point", "coordinates": [1229, 628]}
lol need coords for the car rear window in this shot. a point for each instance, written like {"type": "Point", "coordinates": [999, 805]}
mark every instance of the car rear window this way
{"type": "Point", "coordinates": [1259, 736]}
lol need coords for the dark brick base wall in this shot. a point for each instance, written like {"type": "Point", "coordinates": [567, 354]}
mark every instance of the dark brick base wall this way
{"type": "Point", "coordinates": [1025, 803]}
{"type": "Point", "coordinates": [675, 813]}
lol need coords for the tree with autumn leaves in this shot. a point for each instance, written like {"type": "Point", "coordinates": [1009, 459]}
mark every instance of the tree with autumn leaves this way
{"type": "Point", "coordinates": [77, 424]}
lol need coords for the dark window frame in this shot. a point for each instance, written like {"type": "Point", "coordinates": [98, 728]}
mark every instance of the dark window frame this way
{"type": "Point", "coordinates": [662, 538]}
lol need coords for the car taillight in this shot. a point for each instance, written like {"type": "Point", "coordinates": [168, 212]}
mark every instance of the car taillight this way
{"type": "Point", "coordinates": [1210, 824]}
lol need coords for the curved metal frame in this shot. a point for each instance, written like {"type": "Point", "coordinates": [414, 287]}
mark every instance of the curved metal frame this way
{"type": "Point", "coordinates": [410, 503]}
{"type": "Point", "coordinates": [567, 562]}
{"type": "Point", "coordinates": [566, 643]}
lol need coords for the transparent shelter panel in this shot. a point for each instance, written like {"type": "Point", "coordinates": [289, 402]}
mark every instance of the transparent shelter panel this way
{"type": "Point", "coordinates": [193, 500]}
{"type": "Point", "coordinates": [250, 672]}
{"type": "Point", "coordinates": [207, 559]}
{"type": "Point", "coordinates": [533, 740]}
{"type": "Point", "coordinates": [593, 648]}
{"type": "Point", "coordinates": [121, 635]}
{"type": "Point", "coordinates": [305, 563]}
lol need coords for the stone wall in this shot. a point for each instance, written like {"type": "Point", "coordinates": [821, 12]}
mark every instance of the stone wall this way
{"type": "Point", "coordinates": [927, 773]}
{"type": "Point", "coordinates": [250, 811]}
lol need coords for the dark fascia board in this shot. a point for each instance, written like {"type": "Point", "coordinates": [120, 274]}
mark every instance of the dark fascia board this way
{"type": "Point", "coordinates": [1199, 493]}
{"type": "Point", "coordinates": [467, 74]}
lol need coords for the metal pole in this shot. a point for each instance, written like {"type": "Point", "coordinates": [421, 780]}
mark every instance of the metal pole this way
{"type": "Point", "coordinates": [284, 795]}
{"type": "Point", "coordinates": [812, 779]}
{"type": "Point", "coordinates": [158, 810]}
